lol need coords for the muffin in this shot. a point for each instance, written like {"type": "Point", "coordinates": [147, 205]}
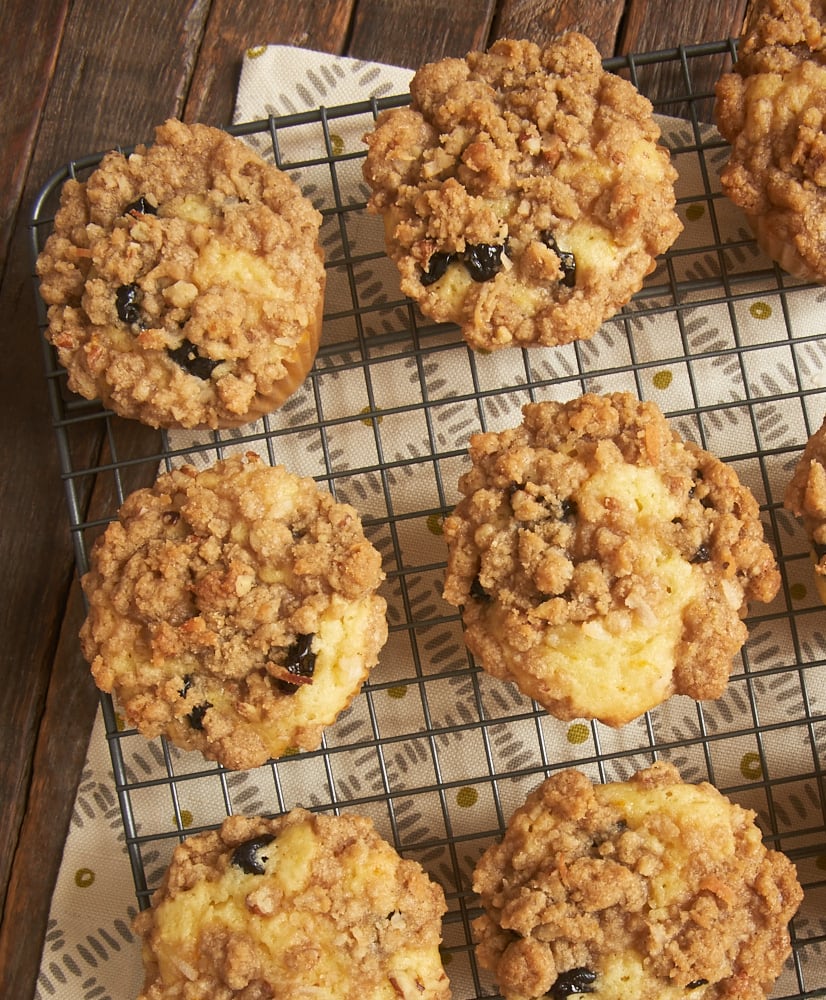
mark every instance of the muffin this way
{"type": "Point", "coordinates": [184, 282]}
{"type": "Point", "coordinates": [771, 109]}
{"type": "Point", "coordinates": [649, 888]}
{"type": "Point", "coordinates": [233, 610]}
{"type": "Point", "coordinates": [805, 497]}
{"type": "Point", "coordinates": [601, 563]}
{"type": "Point", "coordinates": [524, 193]}
{"type": "Point", "coordinates": [299, 906]}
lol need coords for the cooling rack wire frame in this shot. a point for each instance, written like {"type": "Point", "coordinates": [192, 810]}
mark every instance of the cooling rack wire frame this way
{"type": "Point", "coordinates": [437, 753]}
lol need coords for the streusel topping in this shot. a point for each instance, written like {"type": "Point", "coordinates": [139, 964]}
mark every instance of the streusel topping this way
{"type": "Point", "coordinates": [184, 281]}
{"type": "Point", "coordinates": [602, 563]}
{"type": "Point", "coordinates": [234, 609]}
{"type": "Point", "coordinates": [525, 193]}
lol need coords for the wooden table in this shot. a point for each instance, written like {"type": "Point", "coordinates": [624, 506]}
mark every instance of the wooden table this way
{"type": "Point", "coordinates": [78, 78]}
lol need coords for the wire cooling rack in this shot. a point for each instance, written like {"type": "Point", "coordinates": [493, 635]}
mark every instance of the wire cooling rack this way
{"type": "Point", "coordinates": [436, 752]}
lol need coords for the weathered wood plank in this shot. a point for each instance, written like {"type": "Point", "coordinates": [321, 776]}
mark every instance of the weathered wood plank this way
{"type": "Point", "coordinates": [597, 19]}
{"type": "Point", "coordinates": [233, 27]}
{"type": "Point", "coordinates": [408, 34]}
{"type": "Point", "coordinates": [646, 30]}
{"type": "Point", "coordinates": [59, 756]}
{"type": "Point", "coordinates": [26, 71]}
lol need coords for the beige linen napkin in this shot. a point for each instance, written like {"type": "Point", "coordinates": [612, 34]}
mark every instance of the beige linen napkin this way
{"type": "Point", "coordinates": [723, 362]}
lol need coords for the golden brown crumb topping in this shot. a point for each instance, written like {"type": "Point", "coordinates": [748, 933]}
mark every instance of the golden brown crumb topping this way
{"type": "Point", "coordinates": [184, 281]}
{"type": "Point", "coordinates": [806, 495]}
{"type": "Point", "coordinates": [601, 562]}
{"type": "Point", "coordinates": [234, 609]}
{"type": "Point", "coordinates": [524, 191]}
{"type": "Point", "coordinates": [651, 888]}
{"type": "Point", "coordinates": [771, 109]}
{"type": "Point", "coordinates": [299, 906]}
{"type": "Point", "coordinates": [778, 33]}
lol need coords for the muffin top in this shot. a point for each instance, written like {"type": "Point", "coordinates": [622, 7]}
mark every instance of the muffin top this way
{"type": "Point", "coordinates": [524, 191]}
{"type": "Point", "coordinates": [779, 33]}
{"type": "Point", "coordinates": [805, 494]}
{"type": "Point", "coordinates": [772, 109]}
{"type": "Point", "coordinates": [184, 282]}
{"type": "Point", "coordinates": [303, 905]}
{"type": "Point", "coordinates": [233, 609]}
{"type": "Point", "coordinates": [650, 888]}
{"type": "Point", "coordinates": [601, 562]}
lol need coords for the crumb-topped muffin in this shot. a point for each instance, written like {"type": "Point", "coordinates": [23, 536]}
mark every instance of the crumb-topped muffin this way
{"type": "Point", "coordinates": [601, 563]}
{"type": "Point", "coordinates": [771, 109]}
{"type": "Point", "coordinates": [299, 906]}
{"type": "Point", "coordinates": [524, 192]}
{"type": "Point", "coordinates": [234, 610]}
{"type": "Point", "coordinates": [649, 888]}
{"type": "Point", "coordinates": [185, 282]}
{"type": "Point", "coordinates": [805, 497]}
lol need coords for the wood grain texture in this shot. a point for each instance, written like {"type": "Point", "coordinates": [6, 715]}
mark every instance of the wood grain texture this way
{"type": "Point", "coordinates": [233, 27]}
{"type": "Point", "coordinates": [60, 753]}
{"type": "Point", "coordinates": [647, 30]}
{"type": "Point", "coordinates": [110, 87]}
{"type": "Point", "coordinates": [408, 34]}
{"type": "Point", "coordinates": [542, 22]}
{"type": "Point", "coordinates": [36, 555]}
{"type": "Point", "coordinates": [25, 84]}
{"type": "Point", "coordinates": [687, 24]}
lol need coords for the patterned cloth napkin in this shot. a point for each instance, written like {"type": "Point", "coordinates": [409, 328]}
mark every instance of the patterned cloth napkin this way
{"type": "Point", "coordinates": [90, 951]}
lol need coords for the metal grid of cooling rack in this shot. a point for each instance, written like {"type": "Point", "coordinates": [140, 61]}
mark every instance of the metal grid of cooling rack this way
{"type": "Point", "coordinates": [437, 753]}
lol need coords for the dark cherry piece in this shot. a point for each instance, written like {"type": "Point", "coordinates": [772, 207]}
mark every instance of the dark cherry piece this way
{"type": "Point", "coordinates": [300, 656]}
{"type": "Point", "coordinates": [126, 302]}
{"type": "Point", "coordinates": [566, 259]}
{"type": "Point", "coordinates": [140, 207]}
{"type": "Point", "coordinates": [573, 981]}
{"type": "Point", "coordinates": [483, 260]}
{"type": "Point", "coordinates": [300, 663]}
{"type": "Point", "coordinates": [247, 856]}
{"type": "Point", "coordinates": [187, 685]}
{"type": "Point", "coordinates": [695, 984]}
{"type": "Point", "coordinates": [196, 717]}
{"type": "Point", "coordinates": [190, 360]}
{"type": "Point", "coordinates": [439, 263]}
